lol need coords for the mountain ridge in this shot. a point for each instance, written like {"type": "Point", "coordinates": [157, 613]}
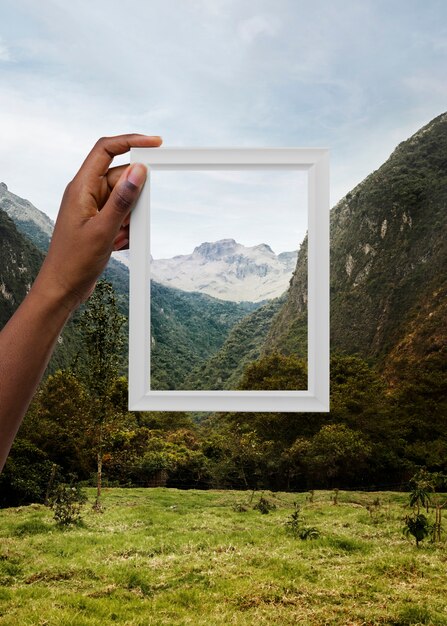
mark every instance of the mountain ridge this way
{"type": "Point", "coordinates": [388, 258]}
{"type": "Point", "coordinates": [228, 270]}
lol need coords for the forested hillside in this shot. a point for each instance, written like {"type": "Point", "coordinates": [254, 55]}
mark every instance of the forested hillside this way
{"type": "Point", "coordinates": [243, 345]}
{"type": "Point", "coordinates": [388, 414]}
{"type": "Point", "coordinates": [388, 260]}
{"type": "Point", "coordinates": [187, 328]}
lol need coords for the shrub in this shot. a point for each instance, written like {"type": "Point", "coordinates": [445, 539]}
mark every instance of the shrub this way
{"type": "Point", "coordinates": [264, 506]}
{"type": "Point", "coordinates": [418, 526]}
{"type": "Point", "coordinates": [25, 476]}
{"type": "Point", "coordinates": [67, 502]}
{"type": "Point", "coordinates": [295, 526]}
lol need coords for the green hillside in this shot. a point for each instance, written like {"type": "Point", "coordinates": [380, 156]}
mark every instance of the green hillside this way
{"type": "Point", "coordinates": [243, 345]}
{"type": "Point", "coordinates": [388, 259]}
{"type": "Point", "coordinates": [186, 329]}
{"type": "Point", "coordinates": [19, 264]}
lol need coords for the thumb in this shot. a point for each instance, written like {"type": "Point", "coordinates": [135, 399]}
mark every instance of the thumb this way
{"type": "Point", "coordinates": [123, 197]}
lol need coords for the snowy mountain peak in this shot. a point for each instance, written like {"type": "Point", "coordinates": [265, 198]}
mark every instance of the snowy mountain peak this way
{"type": "Point", "coordinates": [228, 270]}
{"type": "Point", "coordinates": [216, 249]}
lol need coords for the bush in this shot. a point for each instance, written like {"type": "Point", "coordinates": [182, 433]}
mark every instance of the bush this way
{"type": "Point", "coordinates": [418, 526]}
{"type": "Point", "coordinates": [295, 526]}
{"type": "Point", "coordinates": [67, 502]}
{"type": "Point", "coordinates": [264, 506]}
{"type": "Point", "coordinates": [25, 476]}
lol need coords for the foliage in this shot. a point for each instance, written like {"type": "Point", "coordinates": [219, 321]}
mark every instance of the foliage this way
{"type": "Point", "coordinates": [101, 331]}
{"type": "Point", "coordinates": [243, 345]}
{"type": "Point", "coordinates": [59, 423]}
{"type": "Point", "coordinates": [186, 329]}
{"type": "Point", "coordinates": [418, 526]}
{"type": "Point", "coordinates": [295, 526]}
{"type": "Point", "coordinates": [264, 506]}
{"type": "Point", "coordinates": [275, 371]}
{"type": "Point", "coordinates": [67, 501]}
{"type": "Point", "coordinates": [25, 476]}
{"type": "Point", "coordinates": [422, 485]}
{"type": "Point", "coordinates": [337, 454]}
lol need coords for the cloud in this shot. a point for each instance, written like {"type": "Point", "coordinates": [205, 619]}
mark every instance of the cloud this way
{"type": "Point", "coordinates": [5, 54]}
{"type": "Point", "coordinates": [256, 26]}
{"type": "Point", "coordinates": [354, 77]}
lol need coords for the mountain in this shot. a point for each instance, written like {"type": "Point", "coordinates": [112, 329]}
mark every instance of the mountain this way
{"type": "Point", "coordinates": [388, 261]}
{"type": "Point", "coordinates": [20, 261]}
{"type": "Point", "coordinates": [228, 270]}
{"type": "Point", "coordinates": [32, 232]}
{"type": "Point", "coordinates": [243, 345]}
{"type": "Point", "coordinates": [38, 228]}
{"type": "Point", "coordinates": [31, 222]}
{"type": "Point", "coordinates": [187, 328]}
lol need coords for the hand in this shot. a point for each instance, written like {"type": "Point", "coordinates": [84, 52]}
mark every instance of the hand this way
{"type": "Point", "coordinates": [93, 220]}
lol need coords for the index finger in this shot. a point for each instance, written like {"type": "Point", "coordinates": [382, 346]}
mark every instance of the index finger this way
{"type": "Point", "coordinates": [105, 149]}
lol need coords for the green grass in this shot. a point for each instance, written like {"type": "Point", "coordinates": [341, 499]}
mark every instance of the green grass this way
{"type": "Point", "coordinates": [167, 557]}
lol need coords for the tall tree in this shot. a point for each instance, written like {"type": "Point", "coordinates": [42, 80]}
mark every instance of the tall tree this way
{"type": "Point", "coordinates": [101, 327]}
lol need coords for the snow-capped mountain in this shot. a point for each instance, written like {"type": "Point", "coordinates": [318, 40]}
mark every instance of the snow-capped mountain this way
{"type": "Point", "coordinates": [228, 270]}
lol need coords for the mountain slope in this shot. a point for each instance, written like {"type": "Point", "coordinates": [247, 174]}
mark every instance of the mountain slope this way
{"type": "Point", "coordinates": [228, 270]}
{"type": "Point", "coordinates": [38, 228]}
{"type": "Point", "coordinates": [388, 257]}
{"type": "Point", "coordinates": [243, 345]}
{"type": "Point", "coordinates": [20, 262]}
{"type": "Point", "coordinates": [31, 222]}
{"type": "Point", "coordinates": [186, 329]}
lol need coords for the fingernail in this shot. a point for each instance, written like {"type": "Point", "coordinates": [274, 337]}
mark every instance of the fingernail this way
{"type": "Point", "coordinates": [137, 174]}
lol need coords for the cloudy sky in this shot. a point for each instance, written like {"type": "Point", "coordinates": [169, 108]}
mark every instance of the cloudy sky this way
{"type": "Point", "coordinates": [357, 76]}
{"type": "Point", "coordinates": [250, 206]}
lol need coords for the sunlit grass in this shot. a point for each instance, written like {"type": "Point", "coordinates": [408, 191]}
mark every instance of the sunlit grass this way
{"type": "Point", "coordinates": [162, 557]}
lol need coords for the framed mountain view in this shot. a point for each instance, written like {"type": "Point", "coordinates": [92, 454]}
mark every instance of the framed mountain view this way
{"type": "Point", "coordinates": [225, 245]}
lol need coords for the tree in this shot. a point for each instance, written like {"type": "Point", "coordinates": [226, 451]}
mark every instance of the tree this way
{"type": "Point", "coordinates": [337, 454]}
{"type": "Point", "coordinates": [275, 371]}
{"type": "Point", "coordinates": [101, 330]}
{"type": "Point", "coordinates": [25, 476]}
{"type": "Point", "coordinates": [58, 423]}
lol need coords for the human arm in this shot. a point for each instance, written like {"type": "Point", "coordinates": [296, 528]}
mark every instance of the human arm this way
{"type": "Point", "coordinates": [93, 221]}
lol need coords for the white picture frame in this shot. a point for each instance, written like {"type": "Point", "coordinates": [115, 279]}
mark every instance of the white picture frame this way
{"type": "Point", "coordinates": [316, 397]}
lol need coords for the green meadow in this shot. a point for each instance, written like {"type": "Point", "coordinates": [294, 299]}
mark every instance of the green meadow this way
{"type": "Point", "coordinates": [169, 557]}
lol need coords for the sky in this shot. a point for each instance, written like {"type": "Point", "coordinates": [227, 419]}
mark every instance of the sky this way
{"type": "Point", "coordinates": [250, 206]}
{"type": "Point", "coordinates": [355, 76]}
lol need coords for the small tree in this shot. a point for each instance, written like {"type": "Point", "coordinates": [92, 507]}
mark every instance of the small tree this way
{"type": "Point", "coordinates": [101, 327]}
{"type": "Point", "coordinates": [67, 501]}
{"type": "Point", "coordinates": [422, 485]}
{"type": "Point", "coordinates": [417, 524]}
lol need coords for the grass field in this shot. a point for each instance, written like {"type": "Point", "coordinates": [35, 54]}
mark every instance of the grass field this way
{"type": "Point", "coordinates": [162, 557]}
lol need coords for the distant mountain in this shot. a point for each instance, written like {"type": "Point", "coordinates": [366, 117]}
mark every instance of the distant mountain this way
{"type": "Point", "coordinates": [228, 270]}
{"type": "Point", "coordinates": [388, 262]}
{"type": "Point", "coordinates": [187, 328]}
{"type": "Point", "coordinates": [34, 224]}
